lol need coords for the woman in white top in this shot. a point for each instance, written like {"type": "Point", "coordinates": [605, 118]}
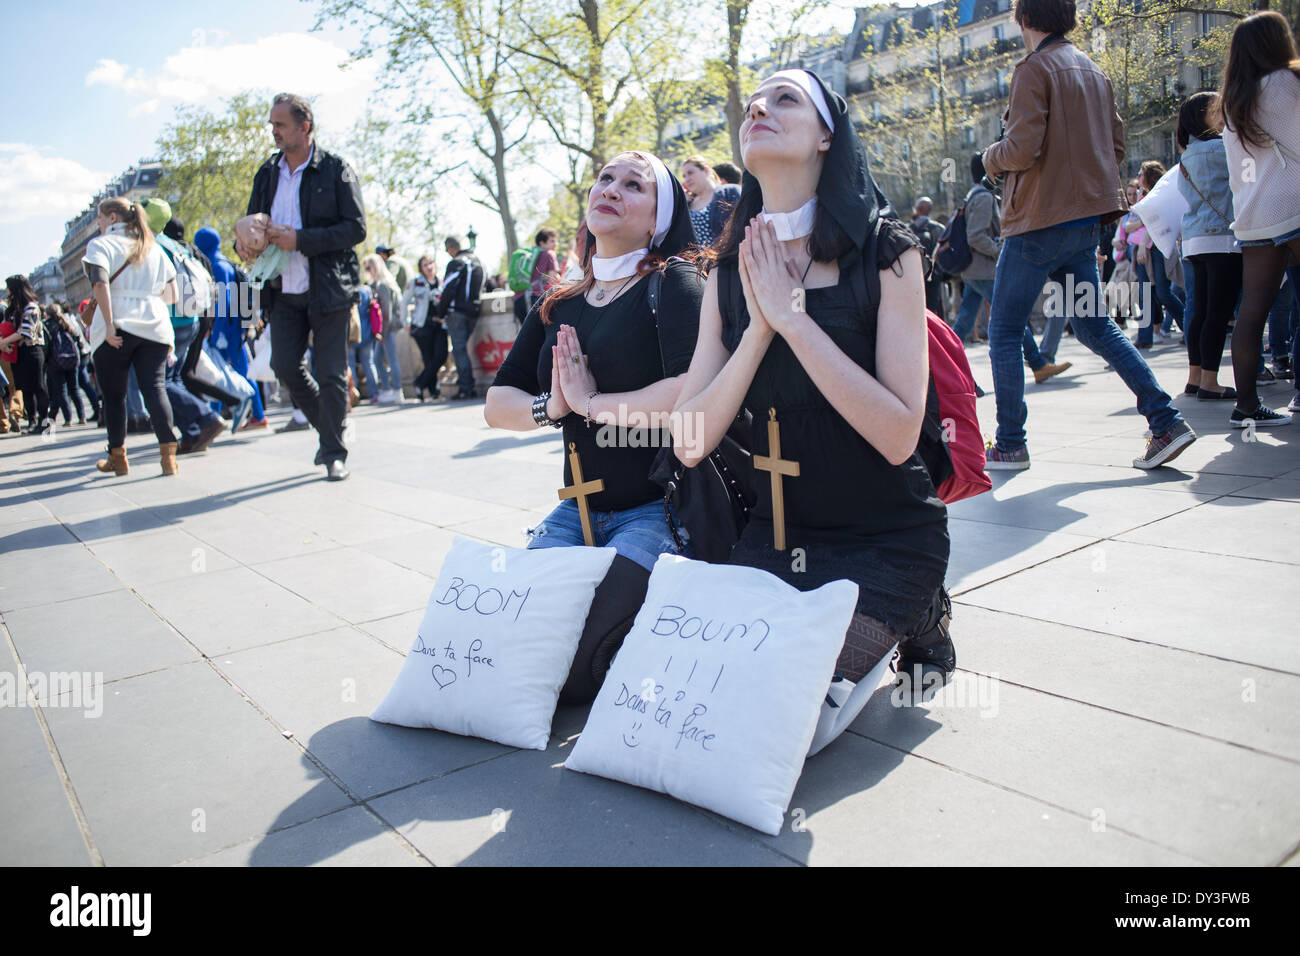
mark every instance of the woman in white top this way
{"type": "Point", "coordinates": [132, 281]}
{"type": "Point", "coordinates": [1260, 109]}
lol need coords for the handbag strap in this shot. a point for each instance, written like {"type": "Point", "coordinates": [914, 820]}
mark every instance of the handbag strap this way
{"type": "Point", "coordinates": [1191, 182]}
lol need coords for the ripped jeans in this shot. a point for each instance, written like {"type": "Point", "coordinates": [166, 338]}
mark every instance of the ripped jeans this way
{"type": "Point", "coordinates": [639, 534]}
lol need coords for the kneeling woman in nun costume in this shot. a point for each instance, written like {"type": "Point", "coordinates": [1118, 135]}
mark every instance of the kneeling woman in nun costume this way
{"type": "Point", "coordinates": [793, 329]}
{"type": "Point", "coordinates": [591, 358]}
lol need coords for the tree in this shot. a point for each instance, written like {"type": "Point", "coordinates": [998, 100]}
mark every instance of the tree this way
{"type": "Point", "coordinates": [427, 42]}
{"type": "Point", "coordinates": [209, 159]}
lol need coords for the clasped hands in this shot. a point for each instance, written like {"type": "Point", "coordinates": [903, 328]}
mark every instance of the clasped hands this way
{"type": "Point", "coordinates": [571, 379]}
{"type": "Point", "coordinates": [286, 237]}
{"type": "Point", "coordinates": [772, 284]}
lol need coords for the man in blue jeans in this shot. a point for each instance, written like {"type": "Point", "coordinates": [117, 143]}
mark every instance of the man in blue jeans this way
{"type": "Point", "coordinates": [983, 234]}
{"type": "Point", "coordinates": [1060, 154]}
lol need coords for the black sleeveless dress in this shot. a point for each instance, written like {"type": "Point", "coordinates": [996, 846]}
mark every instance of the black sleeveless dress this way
{"type": "Point", "coordinates": [850, 512]}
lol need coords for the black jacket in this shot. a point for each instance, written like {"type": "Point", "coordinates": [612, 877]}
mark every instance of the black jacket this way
{"type": "Point", "coordinates": [333, 222]}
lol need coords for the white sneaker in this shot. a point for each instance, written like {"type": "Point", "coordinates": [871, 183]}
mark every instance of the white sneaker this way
{"type": "Point", "coordinates": [844, 701]}
{"type": "Point", "coordinates": [385, 396]}
{"type": "Point", "coordinates": [1295, 403]}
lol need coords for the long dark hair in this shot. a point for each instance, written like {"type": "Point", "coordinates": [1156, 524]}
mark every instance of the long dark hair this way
{"type": "Point", "coordinates": [21, 295]}
{"type": "Point", "coordinates": [1261, 44]}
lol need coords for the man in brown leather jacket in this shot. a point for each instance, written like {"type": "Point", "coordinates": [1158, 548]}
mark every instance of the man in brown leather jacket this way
{"type": "Point", "coordinates": [1059, 161]}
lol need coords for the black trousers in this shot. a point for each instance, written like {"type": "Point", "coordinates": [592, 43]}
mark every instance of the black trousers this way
{"type": "Point", "coordinates": [324, 398]}
{"type": "Point", "coordinates": [149, 359]}
{"type": "Point", "coordinates": [32, 382]}
{"type": "Point", "coordinates": [62, 383]}
{"type": "Point", "coordinates": [1218, 283]}
{"type": "Point", "coordinates": [432, 341]}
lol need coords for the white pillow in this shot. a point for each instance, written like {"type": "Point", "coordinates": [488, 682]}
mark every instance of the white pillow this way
{"type": "Point", "coordinates": [716, 691]}
{"type": "Point", "coordinates": [496, 642]}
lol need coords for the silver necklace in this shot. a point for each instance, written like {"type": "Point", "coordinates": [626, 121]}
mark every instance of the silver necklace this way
{"type": "Point", "coordinates": [600, 293]}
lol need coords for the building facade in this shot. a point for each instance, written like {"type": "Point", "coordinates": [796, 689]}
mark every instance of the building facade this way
{"type": "Point", "coordinates": [138, 182]}
{"type": "Point", "coordinates": [47, 282]}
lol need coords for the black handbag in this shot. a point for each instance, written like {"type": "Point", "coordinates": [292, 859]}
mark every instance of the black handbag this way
{"type": "Point", "coordinates": [712, 500]}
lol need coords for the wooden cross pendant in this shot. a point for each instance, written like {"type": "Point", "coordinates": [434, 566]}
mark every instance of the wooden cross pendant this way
{"type": "Point", "coordinates": [778, 467]}
{"type": "Point", "coordinates": [580, 489]}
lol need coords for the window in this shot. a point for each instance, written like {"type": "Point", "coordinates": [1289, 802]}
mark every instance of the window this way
{"type": "Point", "coordinates": [875, 111]}
{"type": "Point", "coordinates": [1171, 36]}
{"type": "Point", "coordinates": [970, 136]}
{"type": "Point", "coordinates": [965, 45]}
{"type": "Point", "coordinates": [1208, 80]}
{"type": "Point", "coordinates": [1004, 6]}
{"type": "Point", "coordinates": [1171, 145]}
{"type": "Point", "coordinates": [965, 86]}
{"type": "Point", "coordinates": [999, 33]}
{"type": "Point", "coordinates": [1207, 23]}
{"type": "Point", "coordinates": [934, 96]}
{"type": "Point", "coordinates": [1002, 82]}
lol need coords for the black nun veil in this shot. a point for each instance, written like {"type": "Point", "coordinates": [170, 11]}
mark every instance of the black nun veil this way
{"type": "Point", "coordinates": [846, 193]}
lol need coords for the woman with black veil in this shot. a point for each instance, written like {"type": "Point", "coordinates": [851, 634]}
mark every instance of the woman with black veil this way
{"type": "Point", "coordinates": [794, 329]}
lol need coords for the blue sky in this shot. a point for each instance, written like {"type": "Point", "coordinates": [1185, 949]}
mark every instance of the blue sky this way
{"type": "Point", "coordinates": [88, 86]}
{"type": "Point", "coordinates": [72, 121]}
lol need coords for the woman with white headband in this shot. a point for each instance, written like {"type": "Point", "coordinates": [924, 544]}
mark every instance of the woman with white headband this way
{"type": "Point", "coordinates": [790, 329]}
{"type": "Point", "coordinates": [591, 358]}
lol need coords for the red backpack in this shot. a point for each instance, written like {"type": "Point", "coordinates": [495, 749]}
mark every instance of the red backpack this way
{"type": "Point", "coordinates": [960, 434]}
{"type": "Point", "coordinates": [951, 443]}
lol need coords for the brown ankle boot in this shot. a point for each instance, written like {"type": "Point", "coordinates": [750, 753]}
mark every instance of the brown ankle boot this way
{"type": "Point", "coordinates": [167, 455]}
{"type": "Point", "coordinates": [115, 462]}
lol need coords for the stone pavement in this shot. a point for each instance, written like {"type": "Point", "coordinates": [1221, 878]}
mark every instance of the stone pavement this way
{"type": "Point", "coordinates": [1128, 692]}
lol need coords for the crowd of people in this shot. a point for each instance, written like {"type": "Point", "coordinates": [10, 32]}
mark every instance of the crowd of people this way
{"type": "Point", "coordinates": [790, 302]}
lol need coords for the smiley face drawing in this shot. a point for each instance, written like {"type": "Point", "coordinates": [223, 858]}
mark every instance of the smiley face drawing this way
{"type": "Point", "coordinates": [636, 728]}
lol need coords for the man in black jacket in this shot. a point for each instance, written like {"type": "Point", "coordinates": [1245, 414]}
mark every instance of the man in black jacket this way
{"type": "Point", "coordinates": [314, 201]}
{"type": "Point", "coordinates": [462, 287]}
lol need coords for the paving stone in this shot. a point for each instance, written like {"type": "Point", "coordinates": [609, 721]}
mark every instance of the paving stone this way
{"type": "Point", "coordinates": [176, 742]}
{"type": "Point", "coordinates": [1244, 527]}
{"type": "Point", "coordinates": [323, 689]}
{"type": "Point", "coordinates": [222, 611]}
{"type": "Point", "coordinates": [1250, 706]}
{"type": "Point", "coordinates": [859, 803]}
{"type": "Point", "coordinates": [525, 809]}
{"type": "Point", "coordinates": [158, 556]}
{"type": "Point", "coordinates": [58, 574]}
{"type": "Point", "coordinates": [1117, 587]}
{"type": "Point", "coordinates": [40, 827]}
{"type": "Point", "coordinates": [348, 837]}
{"type": "Point", "coordinates": [1150, 781]}
{"type": "Point", "coordinates": [351, 583]}
{"type": "Point", "coordinates": [420, 551]}
{"type": "Point", "coordinates": [981, 552]}
{"type": "Point", "coordinates": [112, 634]}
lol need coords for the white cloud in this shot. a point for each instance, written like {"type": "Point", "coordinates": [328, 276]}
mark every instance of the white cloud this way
{"type": "Point", "coordinates": [206, 71]}
{"type": "Point", "coordinates": [32, 184]}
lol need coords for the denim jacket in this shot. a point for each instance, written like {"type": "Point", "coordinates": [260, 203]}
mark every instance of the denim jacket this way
{"type": "Point", "coordinates": [1206, 224]}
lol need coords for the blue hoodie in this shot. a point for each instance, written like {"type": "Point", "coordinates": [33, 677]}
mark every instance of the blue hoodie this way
{"type": "Point", "coordinates": [227, 324]}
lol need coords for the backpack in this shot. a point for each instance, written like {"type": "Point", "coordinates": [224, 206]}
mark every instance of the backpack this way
{"type": "Point", "coordinates": [468, 291]}
{"type": "Point", "coordinates": [953, 253]}
{"type": "Point", "coordinates": [64, 351]}
{"type": "Point", "coordinates": [520, 277]}
{"type": "Point", "coordinates": [196, 293]}
{"type": "Point", "coordinates": [951, 443]}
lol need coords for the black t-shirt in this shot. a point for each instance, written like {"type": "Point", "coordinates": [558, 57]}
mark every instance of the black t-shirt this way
{"type": "Point", "coordinates": [626, 353]}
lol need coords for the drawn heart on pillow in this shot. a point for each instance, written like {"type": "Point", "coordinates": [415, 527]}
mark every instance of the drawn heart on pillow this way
{"type": "Point", "coordinates": [443, 676]}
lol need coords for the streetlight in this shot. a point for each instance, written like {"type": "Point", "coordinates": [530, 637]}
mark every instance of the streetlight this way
{"type": "Point", "coordinates": [472, 236]}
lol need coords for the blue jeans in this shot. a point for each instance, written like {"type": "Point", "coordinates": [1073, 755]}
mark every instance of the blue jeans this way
{"type": "Point", "coordinates": [975, 291]}
{"type": "Point", "coordinates": [639, 534]}
{"type": "Point", "coordinates": [362, 356]}
{"type": "Point", "coordinates": [189, 413]}
{"type": "Point", "coordinates": [393, 375]}
{"type": "Point", "coordinates": [461, 327]}
{"type": "Point", "coordinates": [1067, 255]}
{"type": "Point", "coordinates": [1283, 316]}
{"type": "Point", "coordinates": [1166, 293]}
